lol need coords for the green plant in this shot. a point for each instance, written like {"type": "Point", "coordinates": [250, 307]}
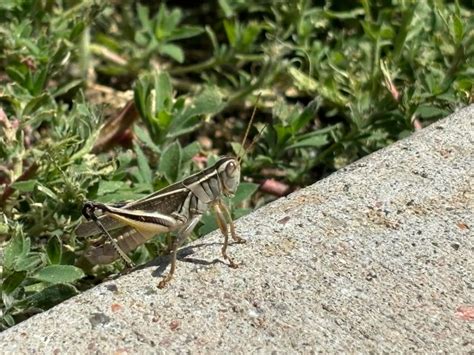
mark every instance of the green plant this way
{"type": "Point", "coordinates": [337, 82]}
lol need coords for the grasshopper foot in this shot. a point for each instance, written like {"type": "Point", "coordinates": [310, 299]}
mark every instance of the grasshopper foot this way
{"type": "Point", "coordinates": [164, 282]}
{"type": "Point", "coordinates": [232, 263]}
{"type": "Point", "coordinates": [239, 240]}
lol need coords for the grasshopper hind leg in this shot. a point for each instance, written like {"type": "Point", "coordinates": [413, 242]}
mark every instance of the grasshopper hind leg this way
{"type": "Point", "coordinates": [89, 213]}
{"type": "Point", "coordinates": [181, 236]}
{"type": "Point", "coordinates": [175, 245]}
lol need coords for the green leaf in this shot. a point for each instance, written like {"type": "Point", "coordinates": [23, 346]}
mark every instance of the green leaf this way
{"type": "Point", "coordinates": [164, 120]}
{"type": "Point", "coordinates": [68, 257]}
{"type": "Point", "coordinates": [224, 4]}
{"type": "Point", "coordinates": [213, 38]}
{"type": "Point", "coordinates": [143, 167]}
{"type": "Point", "coordinates": [57, 274]}
{"type": "Point", "coordinates": [48, 192]}
{"type": "Point", "coordinates": [143, 14]}
{"type": "Point", "coordinates": [240, 212]}
{"type": "Point", "coordinates": [50, 296]}
{"type": "Point", "coordinates": [315, 141]}
{"type": "Point", "coordinates": [244, 191]}
{"type": "Point", "coordinates": [107, 187]}
{"type": "Point", "coordinates": [458, 29]}
{"type": "Point", "coordinates": [250, 33]}
{"type": "Point", "coordinates": [8, 319]}
{"type": "Point", "coordinates": [35, 103]}
{"type": "Point", "coordinates": [39, 80]}
{"type": "Point", "coordinates": [173, 51]}
{"type": "Point", "coordinates": [67, 87]}
{"type": "Point", "coordinates": [24, 186]}
{"type": "Point", "coordinates": [184, 32]}
{"type": "Point", "coordinates": [15, 73]}
{"type": "Point", "coordinates": [35, 287]}
{"type": "Point", "coordinates": [238, 150]}
{"type": "Point", "coordinates": [190, 151]}
{"type": "Point", "coordinates": [163, 91]}
{"type": "Point", "coordinates": [13, 281]}
{"type": "Point", "coordinates": [54, 250]}
{"type": "Point", "coordinates": [231, 32]}
{"type": "Point", "coordinates": [87, 146]}
{"type": "Point", "coordinates": [209, 101]}
{"type": "Point", "coordinates": [144, 137]}
{"type": "Point", "coordinates": [428, 112]}
{"type": "Point", "coordinates": [141, 97]}
{"type": "Point", "coordinates": [344, 15]}
{"type": "Point", "coordinates": [170, 162]}
{"type": "Point", "coordinates": [303, 81]}
{"type": "Point", "coordinates": [16, 249]}
{"type": "Point", "coordinates": [306, 116]}
{"type": "Point", "coordinates": [125, 195]}
{"type": "Point", "coordinates": [209, 224]}
{"type": "Point", "coordinates": [28, 263]}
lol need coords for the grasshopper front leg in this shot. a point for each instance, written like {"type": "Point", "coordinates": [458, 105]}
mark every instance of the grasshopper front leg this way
{"type": "Point", "coordinates": [221, 212]}
{"type": "Point", "coordinates": [230, 222]}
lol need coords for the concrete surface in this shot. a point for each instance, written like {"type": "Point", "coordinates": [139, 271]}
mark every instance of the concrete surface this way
{"type": "Point", "coordinates": [376, 257]}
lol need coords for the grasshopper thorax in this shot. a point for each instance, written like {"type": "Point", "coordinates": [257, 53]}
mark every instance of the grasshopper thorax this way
{"type": "Point", "coordinates": [228, 170]}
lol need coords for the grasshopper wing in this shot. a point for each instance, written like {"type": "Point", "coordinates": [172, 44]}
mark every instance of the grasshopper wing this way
{"type": "Point", "coordinates": [164, 201]}
{"type": "Point", "coordinates": [128, 239]}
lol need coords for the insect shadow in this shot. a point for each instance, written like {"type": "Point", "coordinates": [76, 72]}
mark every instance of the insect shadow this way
{"type": "Point", "coordinates": [162, 262]}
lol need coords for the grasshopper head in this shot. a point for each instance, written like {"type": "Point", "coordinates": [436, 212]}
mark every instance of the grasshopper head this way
{"type": "Point", "coordinates": [228, 169]}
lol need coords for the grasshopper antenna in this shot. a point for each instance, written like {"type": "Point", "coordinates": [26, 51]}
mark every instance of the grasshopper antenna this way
{"type": "Point", "coordinates": [241, 150]}
{"type": "Point", "coordinates": [255, 140]}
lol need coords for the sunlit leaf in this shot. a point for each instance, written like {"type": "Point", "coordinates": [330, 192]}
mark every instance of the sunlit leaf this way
{"type": "Point", "coordinates": [54, 250]}
{"type": "Point", "coordinates": [59, 274]}
{"type": "Point", "coordinates": [144, 168]}
{"type": "Point", "coordinates": [50, 296]}
{"type": "Point", "coordinates": [170, 161]}
{"type": "Point", "coordinates": [13, 281]}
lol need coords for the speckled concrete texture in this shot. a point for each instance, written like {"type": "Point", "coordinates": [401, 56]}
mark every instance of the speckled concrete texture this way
{"type": "Point", "coordinates": [377, 257]}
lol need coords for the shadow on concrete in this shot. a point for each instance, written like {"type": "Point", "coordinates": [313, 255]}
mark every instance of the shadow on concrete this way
{"type": "Point", "coordinates": [162, 262]}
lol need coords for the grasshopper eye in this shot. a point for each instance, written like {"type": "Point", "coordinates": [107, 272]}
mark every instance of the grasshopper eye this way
{"type": "Point", "coordinates": [230, 169]}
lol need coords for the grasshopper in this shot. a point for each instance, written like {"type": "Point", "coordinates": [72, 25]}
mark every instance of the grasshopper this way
{"type": "Point", "coordinates": [176, 208]}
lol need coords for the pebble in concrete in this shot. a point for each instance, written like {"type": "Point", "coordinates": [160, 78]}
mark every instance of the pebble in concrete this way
{"type": "Point", "coordinates": [376, 257]}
